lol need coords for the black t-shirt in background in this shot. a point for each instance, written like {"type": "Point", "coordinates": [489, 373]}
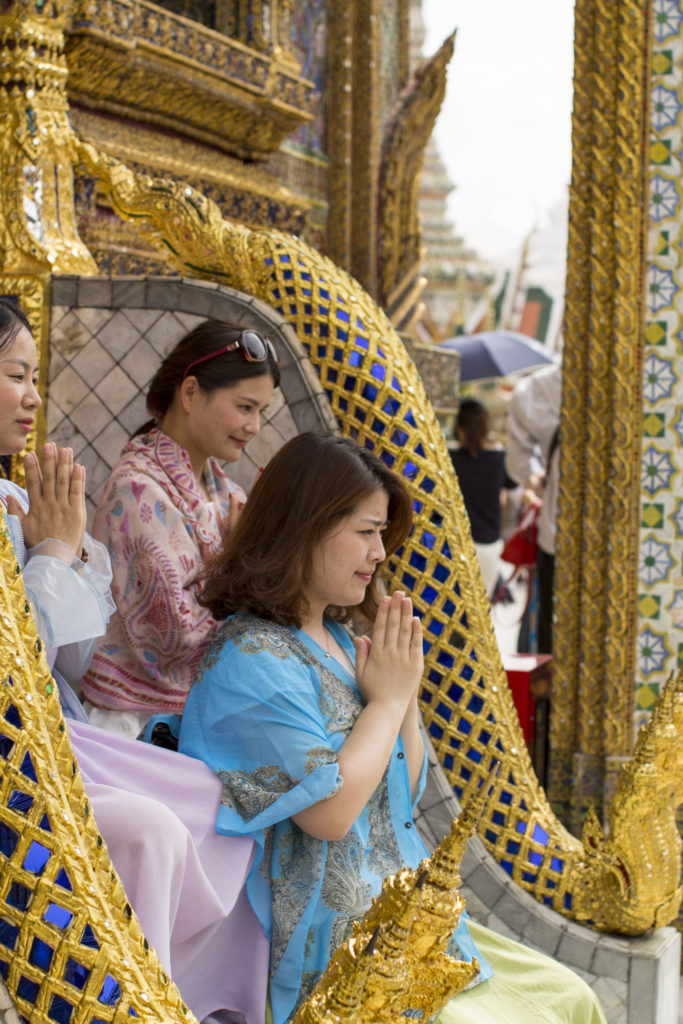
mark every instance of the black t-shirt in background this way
{"type": "Point", "coordinates": [482, 478]}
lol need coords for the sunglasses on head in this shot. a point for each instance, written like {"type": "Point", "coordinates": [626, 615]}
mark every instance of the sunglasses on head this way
{"type": "Point", "coordinates": [251, 345]}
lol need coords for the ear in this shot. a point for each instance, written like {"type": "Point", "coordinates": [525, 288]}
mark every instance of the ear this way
{"type": "Point", "coordinates": [187, 392]}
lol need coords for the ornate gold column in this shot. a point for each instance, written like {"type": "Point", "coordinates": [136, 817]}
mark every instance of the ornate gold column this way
{"type": "Point", "coordinates": [340, 130]}
{"type": "Point", "coordinates": [356, 161]}
{"type": "Point", "coordinates": [366, 143]}
{"type": "Point", "coordinates": [597, 543]}
{"type": "Point", "coordinates": [37, 231]}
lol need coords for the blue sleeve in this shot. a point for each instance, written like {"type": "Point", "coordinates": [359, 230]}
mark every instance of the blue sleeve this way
{"type": "Point", "coordinates": [255, 719]}
{"type": "Point", "coordinates": [71, 600]}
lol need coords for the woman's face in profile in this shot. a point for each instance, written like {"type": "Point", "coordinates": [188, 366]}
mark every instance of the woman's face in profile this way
{"type": "Point", "coordinates": [19, 400]}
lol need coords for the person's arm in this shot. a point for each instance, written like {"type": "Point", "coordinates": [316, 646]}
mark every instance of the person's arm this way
{"type": "Point", "coordinates": [70, 598]}
{"type": "Point", "coordinates": [388, 672]}
{"type": "Point", "coordinates": [156, 562]}
{"type": "Point", "coordinates": [523, 459]}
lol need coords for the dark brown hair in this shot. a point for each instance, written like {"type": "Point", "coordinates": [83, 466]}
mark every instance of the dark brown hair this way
{"type": "Point", "coordinates": [220, 372]}
{"type": "Point", "coordinates": [313, 482]}
{"type": "Point", "coordinates": [473, 421]}
{"type": "Point", "coordinates": [12, 319]}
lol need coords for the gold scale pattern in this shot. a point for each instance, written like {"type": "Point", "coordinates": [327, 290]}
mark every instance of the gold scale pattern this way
{"type": "Point", "coordinates": [71, 948]}
{"type": "Point", "coordinates": [378, 399]}
{"type": "Point", "coordinates": [591, 727]}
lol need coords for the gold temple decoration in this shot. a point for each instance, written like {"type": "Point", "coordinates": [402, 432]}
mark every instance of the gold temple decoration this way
{"type": "Point", "coordinates": [623, 871]}
{"type": "Point", "coordinates": [123, 55]}
{"type": "Point", "coordinates": [407, 133]}
{"type": "Point", "coordinates": [340, 132]}
{"type": "Point", "coordinates": [396, 958]}
{"type": "Point", "coordinates": [601, 429]}
{"type": "Point", "coordinates": [71, 945]}
{"type": "Point", "coordinates": [357, 220]}
{"type": "Point", "coordinates": [263, 24]}
{"type": "Point", "coordinates": [254, 196]}
{"type": "Point", "coordinates": [366, 142]}
{"type": "Point", "coordinates": [403, 69]}
{"type": "Point", "coordinates": [37, 231]}
{"type": "Point", "coordinates": [627, 882]}
{"type": "Point", "coordinates": [377, 397]}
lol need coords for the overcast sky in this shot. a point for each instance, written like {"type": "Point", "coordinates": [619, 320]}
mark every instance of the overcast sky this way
{"type": "Point", "coordinates": [504, 128]}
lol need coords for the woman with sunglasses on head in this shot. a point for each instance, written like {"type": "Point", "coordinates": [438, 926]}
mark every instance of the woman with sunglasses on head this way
{"type": "Point", "coordinates": [164, 511]}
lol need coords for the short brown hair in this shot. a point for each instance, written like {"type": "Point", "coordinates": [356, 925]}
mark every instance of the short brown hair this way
{"type": "Point", "coordinates": [313, 482]}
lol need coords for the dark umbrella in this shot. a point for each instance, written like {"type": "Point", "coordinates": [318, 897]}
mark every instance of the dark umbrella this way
{"type": "Point", "coordinates": [497, 354]}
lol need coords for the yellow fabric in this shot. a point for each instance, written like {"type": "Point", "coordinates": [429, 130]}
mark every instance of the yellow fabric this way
{"type": "Point", "coordinates": [527, 988]}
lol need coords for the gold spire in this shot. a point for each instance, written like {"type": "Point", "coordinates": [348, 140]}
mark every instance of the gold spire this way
{"type": "Point", "coordinates": [396, 958]}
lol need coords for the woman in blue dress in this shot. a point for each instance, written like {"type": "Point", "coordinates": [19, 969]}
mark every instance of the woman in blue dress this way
{"type": "Point", "coordinates": [316, 738]}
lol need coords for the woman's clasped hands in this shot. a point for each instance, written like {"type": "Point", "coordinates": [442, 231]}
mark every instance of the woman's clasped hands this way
{"type": "Point", "coordinates": [56, 497]}
{"type": "Point", "coordinates": [389, 666]}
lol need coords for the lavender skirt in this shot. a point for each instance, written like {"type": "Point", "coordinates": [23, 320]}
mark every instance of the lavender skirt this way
{"type": "Point", "coordinates": [156, 810]}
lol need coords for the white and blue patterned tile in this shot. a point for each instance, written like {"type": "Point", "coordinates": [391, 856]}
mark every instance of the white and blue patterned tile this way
{"type": "Point", "coordinates": [665, 108]}
{"type": "Point", "coordinates": [667, 18]}
{"type": "Point", "coordinates": [659, 378]}
{"type": "Point", "coordinates": [661, 288]}
{"type": "Point", "coordinates": [660, 572]}
{"type": "Point", "coordinates": [677, 518]}
{"type": "Point", "coordinates": [664, 198]}
{"type": "Point", "coordinates": [653, 652]}
{"type": "Point", "coordinates": [657, 470]}
{"type": "Point", "coordinates": [655, 561]}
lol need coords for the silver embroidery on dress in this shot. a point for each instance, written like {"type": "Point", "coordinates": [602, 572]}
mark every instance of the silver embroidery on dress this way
{"type": "Point", "coordinates": [344, 890]}
{"type": "Point", "coordinates": [299, 859]}
{"type": "Point", "coordinates": [249, 793]}
{"type": "Point", "coordinates": [316, 757]}
{"type": "Point", "coordinates": [384, 856]}
{"type": "Point", "coordinates": [340, 705]}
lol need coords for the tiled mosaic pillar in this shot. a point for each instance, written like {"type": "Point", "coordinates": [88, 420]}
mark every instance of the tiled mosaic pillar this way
{"type": "Point", "coordinates": [660, 570]}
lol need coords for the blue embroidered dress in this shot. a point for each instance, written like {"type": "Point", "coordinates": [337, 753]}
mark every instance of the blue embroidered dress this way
{"type": "Point", "coordinates": [269, 713]}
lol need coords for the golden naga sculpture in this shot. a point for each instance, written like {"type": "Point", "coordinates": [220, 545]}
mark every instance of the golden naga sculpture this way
{"type": "Point", "coordinates": [636, 867]}
{"type": "Point", "coordinates": [626, 884]}
{"type": "Point", "coordinates": [396, 958]}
